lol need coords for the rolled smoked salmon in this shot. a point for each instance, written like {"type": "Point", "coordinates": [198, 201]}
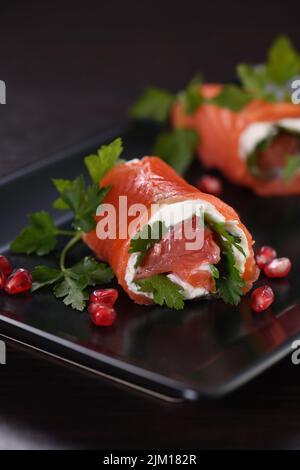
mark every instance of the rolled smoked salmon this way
{"type": "Point", "coordinates": [151, 181]}
{"type": "Point", "coordinates": [221, 131]}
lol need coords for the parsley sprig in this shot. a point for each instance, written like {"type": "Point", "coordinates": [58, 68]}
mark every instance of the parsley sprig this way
{"type": "Point", "coordinates": [270, 81]}
{"type": "Point", "coordinates": [177, 148]}
{"type": "Point", "coordinates": [191, 97]}
{"type": "Point", "coordinates": [41, 235]}
{"type": "Point", "coordinates": [292, 166]}
{"type": "Point", "coordinates": [70, 284]}
{"type": "Point", "coordinates": [155, 105]}
{"type": "Point", "coordinates": [81, 199]}
{"type": "Point", "coordinates": [229, 283]}
{"type": "Point", "coordinates": [165, 292]}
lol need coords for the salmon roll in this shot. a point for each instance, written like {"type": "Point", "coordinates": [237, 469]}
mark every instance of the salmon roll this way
{"type": "Point", "coordinates": [164, 268]}
{"type": "Point", "coordinates": [249, 131]}
{"type": "Point", "coordinates": [257, 147]}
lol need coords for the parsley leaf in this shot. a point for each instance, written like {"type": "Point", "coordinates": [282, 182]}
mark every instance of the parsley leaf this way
{"type": "Point", "coordinates": [214, 271]}
{"type": "Point", "coordinates": [44, 276]}
{"type": "Point", "coordinates": [98, 165]}
{"type": "Point", "coordinates": [291, 167]}
{"type": "Point", "coordinates": [77, 278]}
{"type": "Point", "coordinates": [165, 292]}
{"type": "Point", "coordinates": [232, 239]}
{"type": "Point", "coordinates": [177, 148]}
{"type": "Point", "coordinates": [155, 104]}
{"type": "Point", "coordinates": [270, 81]}
{"type": "Point", "coordinates": [83, 201]}
{"type": "Point", "coordinates": [232, 97]}
{"type": "Point", "coordinates": [229, 282]}
{"type": "Point", "coordinates": [71, 283]}
{"type": "Point", "coordinates": [92, 272]}
{"type": "Point", "coordinates": [39, 237]}
{"type": "Point", "coordinates": [256, 81]}
{"type": "Point", "coordinates": [145, 239]}
{"type": "Point", "coordinates": [61, 185]}
{"type": "Point", "coordinates": [72, 293]}
{"type": "Point", "coordinates": [283, 61]}
{"type": "Point", "coordinates": [191, 97]}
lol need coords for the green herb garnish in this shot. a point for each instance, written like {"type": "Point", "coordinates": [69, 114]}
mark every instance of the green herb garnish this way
{"type": "Point", "coordinates": [233, 240]}
{"type": "Point", "coordinates": [70, 284]}
{"type": "Point", "coordinates": [177, 148]}
{"type": "Point", "coordinates": [229, 283]}
{"type": "Point", "coordinates": [107, 156]}
{"type": "Point", "coordinates": [283, 61]}
{"type": "Point", "coordinates": [214, 271]}
{"type": "Point", "coordinates": [165, 292]}
{"type": "Point", "coordinates": [154, 104]}
{"type": "Point", "coordinates": [270, 81]}
{"type": "Point", "coordinates": [256, 81]}
{"type": "Point", "coordinates": [191, 97]}
{"type": "Point", "coordinates": [232, 97]}
{"type": "Point", "coordinates": [41, 236]}
{"type": "Point", "coordinates": [82, 200]}
{"type": "Point", "coordinates": [292, 166]}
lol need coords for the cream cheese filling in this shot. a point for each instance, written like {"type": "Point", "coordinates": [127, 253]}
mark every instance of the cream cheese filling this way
{"type": "Point", "coordinates": [258, 131]}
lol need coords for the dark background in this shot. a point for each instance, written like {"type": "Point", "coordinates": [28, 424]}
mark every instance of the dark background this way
{"type": "Point", "coordinates": [72, 71]}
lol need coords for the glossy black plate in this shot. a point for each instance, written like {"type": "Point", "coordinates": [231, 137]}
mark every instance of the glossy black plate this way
{"type": "Point", "coordinates": [206, 350]}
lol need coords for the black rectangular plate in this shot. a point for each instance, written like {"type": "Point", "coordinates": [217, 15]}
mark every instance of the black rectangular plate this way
{"type": "Point", "coordinates": [208, 349]}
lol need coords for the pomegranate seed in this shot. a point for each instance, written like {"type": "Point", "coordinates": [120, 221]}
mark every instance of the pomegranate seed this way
{"type": "Point", "coordinates": [5, 266]}
{"type": "Point", "coordinates": [264, 255]}
{"type": "Point", "coordinates": [2, 280]}
{"type": "Point", "coordinates": [262, 298]}
{"type": "Point", "coordinates": [102, 315]}
{"type": "Point", "coordinates": [278, 267]}
{"type": "Point", "coordinates": [104, 296]}
{"type": "Point", "coordinates": [210, 184]}
{"type": "Point", "coordinates": [19, 281]}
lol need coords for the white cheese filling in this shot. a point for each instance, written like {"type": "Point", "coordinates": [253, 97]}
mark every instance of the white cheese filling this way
{"type": "Point", "coordinates": [258, 131]}
{"type": "Point", "coordinates": [172, 214]}
{"type": "Point", "coordinates": [133, 160]}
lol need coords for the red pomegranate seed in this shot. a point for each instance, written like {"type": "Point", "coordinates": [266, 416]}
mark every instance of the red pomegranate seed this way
{"type": "Point", "coordinates": [19, 281]}
{"type": "Point", "coordinates": [104, 296]}
{"type": "Point", "coordinates": [278, 267]}
{"type": "Point", "coordinates": [5, 266]}
{"type": "Point", "coordinates": [102, 315]}
{"type": "Point", "coordinates": [262, 298]}
{"type": "Point", "coordinates": [210, 184]}
{"type": "Point", "coordinates": [264, 255]}
{"type": "Point", "coordinates": [2, 280]}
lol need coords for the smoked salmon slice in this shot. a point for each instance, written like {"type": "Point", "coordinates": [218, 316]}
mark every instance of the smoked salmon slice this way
{"type": "Point", "coordinates": [150, 182]}
{"type": "Point", "coordinates": [222, 133]}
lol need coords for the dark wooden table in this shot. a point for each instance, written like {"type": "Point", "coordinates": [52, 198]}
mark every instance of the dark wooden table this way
{"type": "Point", "coordinates": [71, 73]}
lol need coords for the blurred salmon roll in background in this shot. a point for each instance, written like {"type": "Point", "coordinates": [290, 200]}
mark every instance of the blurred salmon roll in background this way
{"type": "Point", "coordinates": [254, 147]}
{"type": "Point", "coordinates": [249, 131]}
